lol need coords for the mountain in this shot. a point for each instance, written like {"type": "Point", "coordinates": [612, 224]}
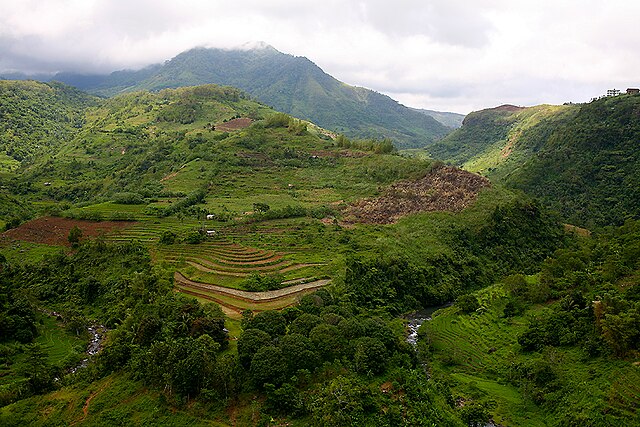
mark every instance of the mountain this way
{"type": "Point", "coordinates": [581, 160]}
{"type": "Point", "coordinates": [294, 85]}
{"type": "Point", "coordinates": [452, 120]}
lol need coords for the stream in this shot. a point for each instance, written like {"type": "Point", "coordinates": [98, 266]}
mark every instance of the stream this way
{"type": "Point", "coordinates": [97, 333]}
{"type": "Point", "coordinates": [417, 318]}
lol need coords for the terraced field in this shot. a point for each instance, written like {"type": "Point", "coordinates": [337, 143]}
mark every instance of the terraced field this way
{"type": "Point", "coordinates": [217, 269]}
{"type": "Point", "coordinates": [474, 350]}
{"type": "Point", "coordinates": [234, 301]}
{"type": "Point", "coordinates": [477, 343]}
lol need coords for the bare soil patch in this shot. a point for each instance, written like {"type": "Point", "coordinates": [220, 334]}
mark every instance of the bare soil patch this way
{"type": "Point", "coordinates": [54, 231]}
{"type": "Point", "coordinates": [235, 124]}
{"type": "Point", "coordinates": [443, 189]}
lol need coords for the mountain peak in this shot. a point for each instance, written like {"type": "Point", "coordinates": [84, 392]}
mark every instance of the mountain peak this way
{"type": "Point", "coordinates": [256, 45]}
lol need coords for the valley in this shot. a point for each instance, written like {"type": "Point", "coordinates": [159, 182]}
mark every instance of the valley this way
{"type": "Point", "coordinates": [251, 266]}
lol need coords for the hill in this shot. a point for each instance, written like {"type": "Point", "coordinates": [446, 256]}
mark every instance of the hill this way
{"type": "Point", "coordinates": [452, 120]}
{"type": "Point", "coordinates": [37, 116]}
{"type": "Point", "coordinates": [294, 85]}
{"type": "Point", "coordinates": [581, 160]}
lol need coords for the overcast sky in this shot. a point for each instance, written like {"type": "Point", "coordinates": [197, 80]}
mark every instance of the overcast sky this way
{"type": "Point", "coordinates": [449, 55]}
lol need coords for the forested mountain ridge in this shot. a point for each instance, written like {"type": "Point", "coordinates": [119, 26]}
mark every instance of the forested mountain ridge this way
{"type": "Point", "coordinates": [581, 160]}
{"type": "Point", "coordinates": [452, 120]}
{"type": "Point", "coordinates": [290, 84]}
{"type": "Point", "coordinates": [35, 116]}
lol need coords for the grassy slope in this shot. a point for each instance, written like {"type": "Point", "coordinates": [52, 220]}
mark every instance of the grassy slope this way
{"type": "Point", "coordinates": [494, 138]}
{"type": "Point", "coordinates": [476, 352]}
{"type": "Point", "coordinates": [114, 400]}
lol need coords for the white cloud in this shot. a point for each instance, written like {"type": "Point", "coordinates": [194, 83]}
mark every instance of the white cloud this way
{"type": "Point", "coordinates": [439, 54]}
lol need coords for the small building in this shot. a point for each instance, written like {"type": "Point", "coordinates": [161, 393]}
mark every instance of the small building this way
{"type": "Point", "coordinates": [211, 233]}
{"type": "Point", "coordinates": [633, 91]}
{"type": "Point", "coordinates": [613, 92]}
{"type": "Point", "coordinates": [210, 216]}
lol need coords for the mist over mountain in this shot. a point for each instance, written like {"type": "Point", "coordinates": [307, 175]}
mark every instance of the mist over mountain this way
{"type": "Point", "coordinates": [294, 85]}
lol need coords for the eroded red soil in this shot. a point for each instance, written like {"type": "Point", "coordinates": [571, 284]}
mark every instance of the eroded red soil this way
{"type": "Point", "coordinates": [54, 231]}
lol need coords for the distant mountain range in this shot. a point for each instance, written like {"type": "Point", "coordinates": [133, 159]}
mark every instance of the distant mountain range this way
{"type": "Point", "coordinates": [291, 84]}
{"type": "Point", "coordinates": [452, 120]}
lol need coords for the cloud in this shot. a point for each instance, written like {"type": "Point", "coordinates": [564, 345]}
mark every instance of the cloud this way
{"type": "Point", "coordinates": [444, 54]}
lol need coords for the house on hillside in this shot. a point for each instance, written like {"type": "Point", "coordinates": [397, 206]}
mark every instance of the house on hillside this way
{"type": "Point", "coordinates": [633, 91]}
{"type": "Point", "coordinates": [613, 92]}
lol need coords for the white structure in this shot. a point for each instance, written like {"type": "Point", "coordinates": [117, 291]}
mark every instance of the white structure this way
{"type": "Point", "coordinates": [211, 216]}
{"type": "Point", "coordinates": [613, 92]}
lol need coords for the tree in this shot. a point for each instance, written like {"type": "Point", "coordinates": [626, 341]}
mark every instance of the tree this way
{"type": "Point", "coordinates": [74, 236]}
{"type": "Point", "coordinates": [36, 369]}
{"type": "Point", "coordinates": [468, 303]}
{"type": "Point", "coordinates": [298, 353]}
{"type": "Point", "coordinates": [370, 356]}
{"type": "Point", "coordinates": [328, 341]}
{"type": "Point", "coordinates": [249, 343]}
{"type": "Point", "coordinates": [304, 324]}
{"type": "Point", "coordinates": [343, 402]}
{"type": "Point", "coordinates": [272, 322]}
{"type": "Point", "coordinates": [267, 366]}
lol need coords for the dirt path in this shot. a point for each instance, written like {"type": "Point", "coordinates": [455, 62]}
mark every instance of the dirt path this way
{"type": "Point", "coordinates": [253, 296]}
{"type": "Point", "coordinates": [85, 408]}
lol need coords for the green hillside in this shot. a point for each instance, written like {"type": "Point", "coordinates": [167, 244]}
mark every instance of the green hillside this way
{"type": "Point", "coordinates": [37, 117]}
{"type": "Point", "coordinates": [589, 169]}
{"type": "Point", "coordinates": [581, 160]}
{"type": "Point", "coordinates": [550, 349]}
{"type": "Point", "coordinates": [452, 120]}
{"type": "Point", "coordinates": [489, 138]}
{"type": "Point", "coordinates": [249, 268]}
{"type": "Point", "coordinates": [290, 84]}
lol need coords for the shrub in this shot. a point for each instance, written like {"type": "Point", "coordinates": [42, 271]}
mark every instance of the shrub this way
{"type": "Point", "coordinates": [194, 237]}
{"type": "Point", "coordinates": [468, 303]}
{"type": "Point", "coordinates": [167, 237]}
{"type": "Point", "coordinates": [128, 198]}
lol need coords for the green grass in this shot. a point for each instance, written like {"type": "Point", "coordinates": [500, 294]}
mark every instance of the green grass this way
{"type": "Point", "coordinates": [58, 343]}
{"type": "Point", "coordinates": [114, 400]}
{"type": "Point", "coordinates": [20, 252]}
